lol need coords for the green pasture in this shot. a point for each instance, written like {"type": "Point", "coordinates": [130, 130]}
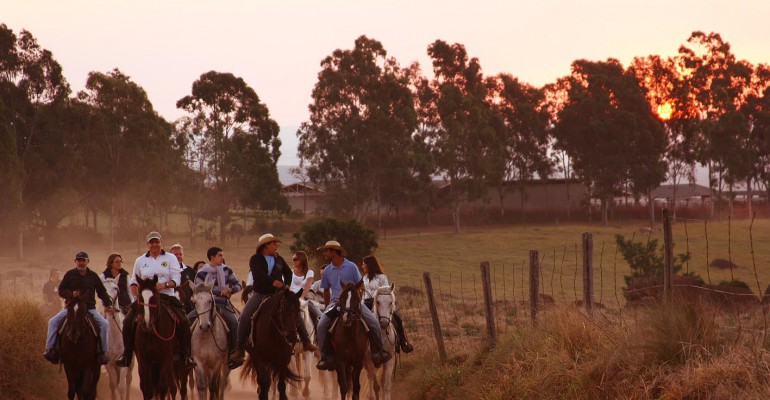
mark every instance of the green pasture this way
{"type": "Point", "coordinates": [406, 254]}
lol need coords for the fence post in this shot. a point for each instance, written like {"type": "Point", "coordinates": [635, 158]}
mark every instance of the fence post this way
{"type": "Point", "coordinates": [434, 316]}
{"type": "Point", "coordinates": [668, 256]}
{"type": "Point", "coordinates": [534, 284]}
{"type": "Point", "coordinates": [486, 281]}
{"type": "Point", "coordinates": [588, 271]}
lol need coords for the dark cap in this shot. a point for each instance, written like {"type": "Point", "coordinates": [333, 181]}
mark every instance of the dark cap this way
{"type": "Point", "coordinates": [81, 254]}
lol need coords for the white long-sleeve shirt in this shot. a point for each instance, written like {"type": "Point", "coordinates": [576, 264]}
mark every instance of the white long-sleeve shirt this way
{"type": "Point", "coordinates": [165, 267]}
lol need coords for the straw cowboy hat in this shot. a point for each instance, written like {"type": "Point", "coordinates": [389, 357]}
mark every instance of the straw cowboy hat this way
{"type": "Point", "coordinates": [333, 244]}
{"type": "Point", "coordinates": [267, 238]}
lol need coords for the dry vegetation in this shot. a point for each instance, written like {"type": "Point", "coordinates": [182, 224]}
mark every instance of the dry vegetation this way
{"type": "Point", "coordinates": [24, 374]}
{"type": "Point", "coordinates": [677, 352]}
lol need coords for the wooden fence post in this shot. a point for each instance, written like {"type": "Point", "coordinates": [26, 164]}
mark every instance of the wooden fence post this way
{"type": "Point", "coordinates": [668, 256]}
{"type": "Point", "coordinates": [486, 281]}
{"type": "Point", "coordinates": [588, 271]}
{"type": "Point", "coordinates": [434, 316]}
{"type": "Point", "coordinates": [534, 284]}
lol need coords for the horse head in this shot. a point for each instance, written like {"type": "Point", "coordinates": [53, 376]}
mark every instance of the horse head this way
{"type": "Point", "coordinates": [385, 304]}
{"type": "Point", "coordinates": [77, 309]}
{"type": "Point", "coordinates": [111, 285]}
{"type": "Point", "coordinates": [350, 302]}
{"type": "Point", "coordinates": [246, 292]}
{"type": "Point", "coordinates": [288, 309]}
{"type": "Point", "coordinates": [148, 298]}
{"type": "Point", "coordinates": [203, 300]}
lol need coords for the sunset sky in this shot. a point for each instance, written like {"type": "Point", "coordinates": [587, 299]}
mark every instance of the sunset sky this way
{"type": "Point", "coordinates": [276, 46]}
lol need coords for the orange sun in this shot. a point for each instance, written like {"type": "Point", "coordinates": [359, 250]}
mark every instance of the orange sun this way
{"type": "Point", "coordinates": [665, 110]}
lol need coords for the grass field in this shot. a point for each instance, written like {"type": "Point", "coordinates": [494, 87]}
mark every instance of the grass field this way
{"type": "Point", "coordinates": [407, 253]}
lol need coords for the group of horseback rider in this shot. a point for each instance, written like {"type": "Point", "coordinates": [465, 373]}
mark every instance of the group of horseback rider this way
{"type": "Point", "coordinates": [269, 272]}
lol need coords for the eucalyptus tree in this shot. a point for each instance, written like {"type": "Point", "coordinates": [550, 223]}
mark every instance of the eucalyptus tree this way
{"type": "Point", "coordinates": [458, 124]}
{"type": "Point", "coordinates": [131, 152]}
{"type": "Point", "coordinates": [717, 84]}
{"type": "Point", "coordinates": [522, 134]}
{"type": "Point", "coordinates": [609, 131]}
{"type": "Point", "coordinates": [756, 112]}
{"type": "Point", "coordinates": [360, 141]}
{"type": "Point", "coordinates": [236, 143]}
{"type": "Point", "coordinates": [11, 171]}
{"type": "Point", "coordinates": [30, 80]}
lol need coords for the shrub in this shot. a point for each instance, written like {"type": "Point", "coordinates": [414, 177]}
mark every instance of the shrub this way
{"type": "Point", "coordinates": [357, 239]}
{"type": "Point", "coordinates": [645, 259]}
{"type": "Point", "coordinates": [24, 372]}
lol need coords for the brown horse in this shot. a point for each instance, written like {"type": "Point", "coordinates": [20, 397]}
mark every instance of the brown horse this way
{"type": "Point", "coordinates": [78, 349]}
{"type": "Point", "coordinates": [155, 342]}
{"type": "Point", "coordinates": [271, 342]}
{"type": "Point", "coordinates": [349, 340]}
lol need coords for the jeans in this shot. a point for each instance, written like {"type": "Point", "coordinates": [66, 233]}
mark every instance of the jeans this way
{"type": "Point", "coordinates": [244, 324]}
{"type": "Point", "coordinates": [366, 314]}
{"type": "Point", "coordinates": [53, 326]}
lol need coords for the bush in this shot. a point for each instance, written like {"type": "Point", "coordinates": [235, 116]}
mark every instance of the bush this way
{"type": "Point", "coordinates": [645, 259]}
{"type": "Point", "coordinates": [24, 373]}
{"type": "Point", "coordinates": [357, 239]}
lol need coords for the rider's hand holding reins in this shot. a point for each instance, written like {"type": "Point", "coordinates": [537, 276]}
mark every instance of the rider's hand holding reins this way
{"type": "Point", "coordinates": [226, 292]}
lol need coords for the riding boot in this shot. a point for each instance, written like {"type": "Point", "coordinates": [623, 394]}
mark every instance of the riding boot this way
{"type": "Point", "coordinates": [327, 357]}
{"type": "Point", "coordinates": [379, 355]}
{"type": "Point", "coordinates": [402, 342]}
{"type": "Point", "coordinates": [185, 345]}
{"type": "Point", "coordinates": [305, 337]}
{"type": "Point", "coordinates": [129, 328]}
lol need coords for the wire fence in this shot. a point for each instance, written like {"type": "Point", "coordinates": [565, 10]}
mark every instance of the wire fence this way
{"type": "Point", "coordinates": [460, 302]}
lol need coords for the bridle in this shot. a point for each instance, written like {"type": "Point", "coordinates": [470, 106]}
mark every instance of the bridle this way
{"type": "Point", "coordinates": [154, 320]}
{"type": "Point", "coordinates": [289, 335]}
{"type": "Point", "coordinates": [352, 314]}
{"type": "Point", "coordinates": [211, 312]}
{"type": "Point", "coordinates": [389, 317]}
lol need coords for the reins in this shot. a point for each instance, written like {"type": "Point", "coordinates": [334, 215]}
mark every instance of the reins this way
{"type": "Point", "coordinates": [154, 321]}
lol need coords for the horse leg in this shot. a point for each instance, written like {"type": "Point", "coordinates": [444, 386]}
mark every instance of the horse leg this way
{"type": "Point", "coordinates": [201, 382]}
{"type": "Point", "coordinates": [263, 379]}
{"type": "Point", "coordinates": [357, 382]}
{"type": "Point", "coordinates": [342, 379]}
{"type": "Point", "coordinates": [71, 377]}
{"type": "Point", "coordinates": [282, 387]}
{"type": "Point", "coordinates": [387, 379]}
{"type": "Point", "coordinates": [371, 373]}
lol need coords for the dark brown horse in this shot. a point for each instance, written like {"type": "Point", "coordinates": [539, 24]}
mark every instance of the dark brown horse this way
{"type": "Point", "coordinates": [349, 340]}
{"type": "Point", "coordinates": [78, 349]}
{"type": "Point", "coordinates": [155, 342]}
{"type": "Point", "coordinates": [271, 342]}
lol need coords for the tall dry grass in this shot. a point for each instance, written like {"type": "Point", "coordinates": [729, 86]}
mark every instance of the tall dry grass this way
{"type": "Point", "coordinates": [24, 374]}
{"type": "Point", "coordinates": [683, 351]}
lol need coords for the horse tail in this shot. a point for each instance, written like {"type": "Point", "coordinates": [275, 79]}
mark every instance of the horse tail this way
{"type": "Point", "coordinates": [249, 369]}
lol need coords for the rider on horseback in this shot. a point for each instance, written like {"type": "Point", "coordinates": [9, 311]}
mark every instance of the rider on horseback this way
{"type": "Point", "coordinates": [80, 280]}
{"type": "Point", "coordinates": [375, 278]}
{"type": "Point", "coordinates": [225, 284]}
{"type": "Point", "coordinates": [339, 270]}
{"type": "Point", "coordinates": [270, 273]}
{"type": "Point", "coordinates": [157, 262]}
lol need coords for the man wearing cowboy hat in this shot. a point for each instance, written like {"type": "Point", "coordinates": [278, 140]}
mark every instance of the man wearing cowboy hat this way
{"type": "Point", "coordinates": [341, 270]}
{"type": "Point", "coordinates": [271, 273]}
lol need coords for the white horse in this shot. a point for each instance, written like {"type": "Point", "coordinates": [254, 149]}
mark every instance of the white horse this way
{"type": "Point", "coordinates": [120, 378]}
{"type": "Point", "coordinates": [384, 306]}
{"type": "Point", "coordinates": [301, 361]}
{"type": "Point", "coordinates": [209, 345]}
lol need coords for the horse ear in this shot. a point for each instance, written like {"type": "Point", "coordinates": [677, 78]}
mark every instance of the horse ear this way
{"type": "Point", "coordinates": [299, 294]}
{"type": "Point", "coordinates": [154, 280]}
{"type": "Point", "coordinates": [68, 293]}
{"type": "Point", "coordinates": [139, 280]}
{"type": "Point", "coordinates": [360, 284]}
{"type": "Point", "coordinates": [393, 286]}
{"type": "Point", "coordinates": [209, 286]}
{"type": "Point", "coordinates": [243, 283]}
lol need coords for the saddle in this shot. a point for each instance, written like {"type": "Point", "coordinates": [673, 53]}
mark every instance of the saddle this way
{"type": "Point", "coordinates": [89, 321]}
{"type": "Point", "coordinates": [253, 321]}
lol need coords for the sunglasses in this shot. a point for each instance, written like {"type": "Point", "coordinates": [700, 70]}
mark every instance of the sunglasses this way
{"type": "Point", "coordinates": [294, 258]}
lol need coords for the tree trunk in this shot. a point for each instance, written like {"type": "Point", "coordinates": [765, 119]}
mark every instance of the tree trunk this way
{"type": "Point", "coordinates": [112, 223]}
{"type": "Point", "coordinates": [456, 216]}
{"type": "Point", "coordinates": [651, 207]}
{"type": "Point", "coordinates": [223, 227]}
{"type": "Point", "coordinates": [749, 196]}
{"type": "Point", "coordinates": [711, 189]}
{"type": "Point", "coordinates": [605, 211]}
{"type": "Point", "coordinates": [501, 194]}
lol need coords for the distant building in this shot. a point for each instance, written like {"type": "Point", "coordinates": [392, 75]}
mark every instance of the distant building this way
{"type": "Point", "coordinates": [686, 194]}
{"type": "Point", "coordinates": [304, 197]}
